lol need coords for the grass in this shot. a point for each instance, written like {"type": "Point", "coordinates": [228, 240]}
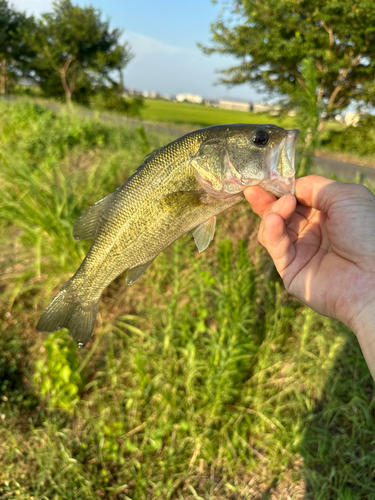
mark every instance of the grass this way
{"type": "Point", "coordinates": [203, 380]}
{"type": "Point", "coordinates": [181, 115]}
{"type": "Point", "coordinates": [194, 115]}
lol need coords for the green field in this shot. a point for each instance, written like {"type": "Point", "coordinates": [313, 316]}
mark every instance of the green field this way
{"type": "Point", "coordinates": [203, 380]}
{"type": "Point", "coordinates": [195, 115]}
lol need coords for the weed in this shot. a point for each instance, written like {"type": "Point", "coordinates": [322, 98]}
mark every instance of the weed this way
{"type": "Point", "coordinates": [56, 375]}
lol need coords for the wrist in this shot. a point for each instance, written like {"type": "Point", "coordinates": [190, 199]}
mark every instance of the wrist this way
{"type": "Point", "coordinates": [362, 323]}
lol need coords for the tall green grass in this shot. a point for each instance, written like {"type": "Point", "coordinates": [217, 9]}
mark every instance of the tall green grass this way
{"type": "Point", "coordinates": [45, 188]}
{"type": "Point", "coordinates": [202, 380]}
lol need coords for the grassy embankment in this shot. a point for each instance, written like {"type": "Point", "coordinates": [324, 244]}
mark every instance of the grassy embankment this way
{"type": "Point", "coordinates": [351, 144]}
{"type": "Point", "coordinates": [202, 380]}
{"type": "Point", "coordinates": [194, 115]}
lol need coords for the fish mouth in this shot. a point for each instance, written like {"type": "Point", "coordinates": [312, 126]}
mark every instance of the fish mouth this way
{"type": "Point", "coordinates": [280, 165]}
{"type": "Point", "coordinates": [278, 176]}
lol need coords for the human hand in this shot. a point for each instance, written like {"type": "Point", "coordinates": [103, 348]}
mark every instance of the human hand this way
{"type": "Point", "coordinates": [323, 246]}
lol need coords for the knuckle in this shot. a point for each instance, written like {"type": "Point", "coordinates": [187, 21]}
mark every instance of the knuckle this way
{"type": "Point", "coordinates": [358, 191]}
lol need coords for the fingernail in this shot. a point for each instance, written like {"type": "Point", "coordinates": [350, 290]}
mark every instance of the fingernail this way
{"type": "Point", "coordinates": [278, 205]}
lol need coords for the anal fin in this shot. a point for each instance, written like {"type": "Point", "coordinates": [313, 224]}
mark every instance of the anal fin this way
{"type": "Point", "coordinates": [204, 234]}
{"type": "Point", "coordinates": [136, 272]}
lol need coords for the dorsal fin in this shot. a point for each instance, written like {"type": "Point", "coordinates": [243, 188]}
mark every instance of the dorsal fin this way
{"type": "Point", "coordinates": [85, 226]}
{"type": "Point", "coordinates": [153, 154]}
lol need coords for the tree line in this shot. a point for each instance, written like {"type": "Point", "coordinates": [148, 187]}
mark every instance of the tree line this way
{"type": "Point", "coordinates": [271, 39]}
{"type": "Point", "coordinates": [69, 52]}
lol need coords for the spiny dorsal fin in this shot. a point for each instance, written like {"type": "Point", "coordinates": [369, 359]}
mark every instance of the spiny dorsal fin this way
{"type": "Point", "coordinates": [136, 272]}
{"type": "Point", "coordinates": [153, 154]}
{"type": "Point", "coordinates": [85, 227]}
{"type": "Point", "coordinates": [204, 233]}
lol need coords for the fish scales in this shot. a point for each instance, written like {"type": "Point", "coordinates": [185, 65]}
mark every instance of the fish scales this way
{"type": "Point", "coordinates": [178, 187]}
{"type": "Point", "coordinates": [141, 237]}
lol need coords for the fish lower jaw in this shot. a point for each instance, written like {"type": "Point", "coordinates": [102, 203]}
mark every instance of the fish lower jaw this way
{"type": "Point", "coordinates": [279, 186]}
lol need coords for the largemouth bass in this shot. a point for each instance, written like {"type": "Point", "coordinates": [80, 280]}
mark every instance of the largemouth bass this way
{"type": "Point", "coordinates": [179, 187]}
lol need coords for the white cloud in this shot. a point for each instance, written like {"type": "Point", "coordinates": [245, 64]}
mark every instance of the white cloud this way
{"type": "Point", "coordinates": [143, 45]}
{"type": "Point", "coordinates": [174, 69]}
{"type": "Point", "coordinates": [35, 7]}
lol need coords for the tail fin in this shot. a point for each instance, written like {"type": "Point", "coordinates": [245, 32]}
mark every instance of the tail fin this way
{"type": "Point", "coordinates": [67, 311]}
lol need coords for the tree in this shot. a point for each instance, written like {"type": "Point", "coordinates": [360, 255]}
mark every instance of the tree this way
{"type": "Point", "coordinates": [272, 37]}
{"type": "Point", "coordinates": [15, 52]}
{"type": "Point", "coordinates": [75, 45]}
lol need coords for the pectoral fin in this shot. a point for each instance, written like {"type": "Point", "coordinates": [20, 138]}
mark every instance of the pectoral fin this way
{"type": "Point", "coordinates": [204, 234]}
{"type": "Point", "coordinates": [136, 272]}
{"type": "Point", "coordinates": [181, 202]}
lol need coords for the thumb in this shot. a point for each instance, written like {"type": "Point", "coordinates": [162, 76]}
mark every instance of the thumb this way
{"type": "Point", "coordinates": [274, 236]}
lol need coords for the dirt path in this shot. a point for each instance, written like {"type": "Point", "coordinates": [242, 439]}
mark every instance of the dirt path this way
{"type": "Point", "coordinates": [343, 170]}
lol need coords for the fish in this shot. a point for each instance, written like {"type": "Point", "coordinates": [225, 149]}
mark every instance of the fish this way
{"type": "Point", "coordinates": [178, 187]}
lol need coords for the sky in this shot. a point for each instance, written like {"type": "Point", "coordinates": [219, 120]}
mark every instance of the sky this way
{"type": "Point", "coordinates": [163, 36]}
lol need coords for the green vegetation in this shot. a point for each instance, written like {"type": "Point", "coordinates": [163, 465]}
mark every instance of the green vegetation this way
{"type": "Point", "coordinates": [359, 140]}
{"type": "Point", "coordinates": [203, 380]}
{"type": "Point", "coordinates": [15, 52]}
{"type": "Point", "coordinates": [69, 52]}
{"type": "Point", "coordinates": [75, 51]}
{"type": "Point", "coordinates": [195, 115]}
{"type": "Point", "coordinates": [308, 118]}
{"type": "Point", "coordinates": [270, 40]}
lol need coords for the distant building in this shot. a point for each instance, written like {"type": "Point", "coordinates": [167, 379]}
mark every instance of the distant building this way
{"type": "Point", "coordinates": [235, 105]}
{"type": "Point", "coordinates": [214, 104]}
{"type": "Point", "coordinates": [261, 108]}
{"type": "Point", "coordinates": [272, 110]}
{"type": "Point", "coordinates": [196, 99]}
{"type": "Point", "coordinates": [131, 92]}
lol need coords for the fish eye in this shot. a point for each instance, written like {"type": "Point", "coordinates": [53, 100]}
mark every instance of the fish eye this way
{"type": "Point", "coordinates": [260, 138]}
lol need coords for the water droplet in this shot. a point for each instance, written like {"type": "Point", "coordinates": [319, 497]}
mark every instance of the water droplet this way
{"type": "Point", "coordinates": [80, 345]}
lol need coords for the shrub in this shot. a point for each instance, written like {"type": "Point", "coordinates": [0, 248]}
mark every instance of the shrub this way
{"type": "Point", "coordinates": [359, 140]}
